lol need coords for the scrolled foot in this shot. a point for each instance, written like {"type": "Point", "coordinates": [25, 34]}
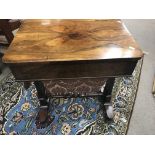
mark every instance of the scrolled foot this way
{"type": "Point", "coordinates": [42, 114]}
{"type": "Point", "coordinates": [43, 118]}
{"type": "Point", "coordinates": [109, 110]}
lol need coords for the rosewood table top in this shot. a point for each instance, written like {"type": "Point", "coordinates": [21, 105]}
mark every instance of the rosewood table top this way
{"type": "Point", "coordinates": [71, 40]}
{"type": "Point", "coordinates": [66, 43]}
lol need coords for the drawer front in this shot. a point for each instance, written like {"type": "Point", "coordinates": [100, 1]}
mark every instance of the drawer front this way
{"type": "Point", "coordinates": [65, 70]}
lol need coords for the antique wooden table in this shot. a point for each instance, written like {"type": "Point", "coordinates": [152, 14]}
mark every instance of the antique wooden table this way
{"type": "Point", "coordinates": [71, 50]}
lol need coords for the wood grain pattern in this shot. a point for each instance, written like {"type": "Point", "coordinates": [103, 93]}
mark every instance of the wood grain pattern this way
{"type": "Point", "coordinates": [71, 40]}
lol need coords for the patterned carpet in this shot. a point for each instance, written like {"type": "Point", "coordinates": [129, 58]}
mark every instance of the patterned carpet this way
{"type": "Point", "coordinates": [19, 108]}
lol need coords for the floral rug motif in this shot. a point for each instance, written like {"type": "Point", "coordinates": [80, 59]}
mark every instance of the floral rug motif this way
{"type": "Point", "coordinates": [71, 116]}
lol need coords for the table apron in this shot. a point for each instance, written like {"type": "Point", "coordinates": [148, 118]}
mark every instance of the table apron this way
{"type": "Point", "coordinates": [69, 70]}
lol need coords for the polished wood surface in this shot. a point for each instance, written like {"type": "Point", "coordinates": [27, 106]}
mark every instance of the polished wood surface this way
{"type": "Point", "coordinates": [72, 40]}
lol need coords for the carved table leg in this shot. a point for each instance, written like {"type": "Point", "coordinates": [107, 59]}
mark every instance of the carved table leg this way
{"type": "Point", "coordinates": [107, 96]}
{"type": "Point", "coordinates": [42, 117]}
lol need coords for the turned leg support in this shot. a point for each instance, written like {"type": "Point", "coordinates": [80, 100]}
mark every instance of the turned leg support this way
{"type": "Point", "coordinates": [107, 97]}
{"type": "Point", "coordinates": [108, 89]}
{"type": "Point", "coordinates": [42, 119]}
{"type": "Point", "coordinates": [44, 105]}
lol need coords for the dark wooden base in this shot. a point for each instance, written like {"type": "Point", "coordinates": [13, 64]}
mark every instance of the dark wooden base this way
{"type": "Point", "coordinates": [44, 105]}
{"type": "Point", "coordinates": [43, 116]}
{"type": "Point", "coordinates": [108, 90]}
{"type": "Point", "coordinates": [107, 95]}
